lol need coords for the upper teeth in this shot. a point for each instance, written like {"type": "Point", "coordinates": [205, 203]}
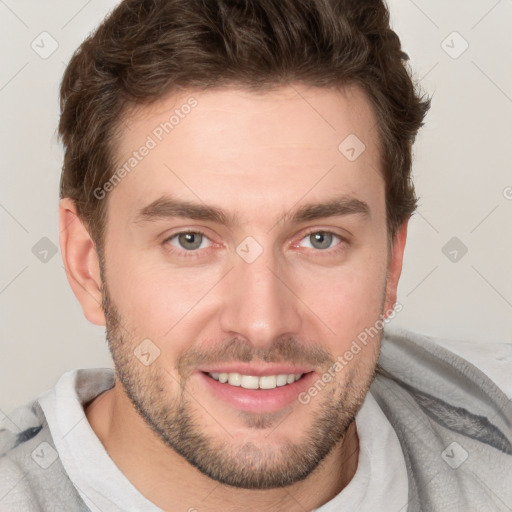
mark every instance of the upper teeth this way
{"type": "Point", "coordinates": [254, 382]}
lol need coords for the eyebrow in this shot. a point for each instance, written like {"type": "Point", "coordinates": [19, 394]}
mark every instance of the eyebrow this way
{"type": "Point", "coordinates": [169, 207]}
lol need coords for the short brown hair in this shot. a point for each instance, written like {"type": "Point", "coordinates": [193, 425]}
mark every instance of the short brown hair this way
{"type": "Point", "coordinates": [145, 49]}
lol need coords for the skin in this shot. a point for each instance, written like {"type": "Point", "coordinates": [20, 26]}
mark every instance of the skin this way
{"type": "Point", "coordinates": [260, 156]}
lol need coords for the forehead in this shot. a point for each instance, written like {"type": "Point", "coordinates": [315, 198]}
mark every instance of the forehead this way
{"type": "Point", "coordinates": [251, 150]}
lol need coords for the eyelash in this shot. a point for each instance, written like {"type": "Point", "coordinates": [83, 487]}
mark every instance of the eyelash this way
{"type": "Point", "coordinates": [196, 253]}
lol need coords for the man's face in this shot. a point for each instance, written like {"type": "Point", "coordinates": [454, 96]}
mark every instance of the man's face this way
{"type": "Point", "coordinates": [259, 295]}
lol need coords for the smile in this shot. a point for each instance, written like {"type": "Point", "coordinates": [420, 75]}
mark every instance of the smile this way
{"type": "Point", "coordinates": [255, 382]}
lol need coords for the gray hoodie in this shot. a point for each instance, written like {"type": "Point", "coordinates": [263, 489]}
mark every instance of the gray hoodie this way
{"type": "Point", "coordinates": [453, 423]}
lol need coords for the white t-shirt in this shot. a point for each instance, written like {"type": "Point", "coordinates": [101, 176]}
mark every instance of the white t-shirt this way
{"type": "Point", "coordinates": [379, 484]}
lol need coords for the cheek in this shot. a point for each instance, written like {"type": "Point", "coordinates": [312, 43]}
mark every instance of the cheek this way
{"type": "Point", "coordinates": [348, 299]}
{"type": "Point", "coordinates": [157, 300]}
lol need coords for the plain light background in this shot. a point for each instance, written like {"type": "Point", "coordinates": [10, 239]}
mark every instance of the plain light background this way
{"type": "Point", "coordinates": [457, 276]}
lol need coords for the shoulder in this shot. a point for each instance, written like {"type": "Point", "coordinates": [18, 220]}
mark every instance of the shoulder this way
{"type": "Point", "coordinates": [448, 415]}
{"type": "Point", "coordinates": [438, 361]}
{"type": "Point", "coordinates": [16, 491]}
{"type": "Point", "coordinates": [32, 477]}
{"type": "Point", "coordinates": [494, 359]}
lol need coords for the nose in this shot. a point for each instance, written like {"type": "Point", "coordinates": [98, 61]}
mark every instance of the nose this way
{"type": "Point", "coordinates": [260, 303]}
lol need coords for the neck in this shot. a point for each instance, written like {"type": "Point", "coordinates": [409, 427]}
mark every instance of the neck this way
{"type": "Point", "coordinates": [171, 483]}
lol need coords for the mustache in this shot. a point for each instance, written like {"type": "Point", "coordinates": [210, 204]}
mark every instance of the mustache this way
{"type": "Point", "coordinates": [234, 349]}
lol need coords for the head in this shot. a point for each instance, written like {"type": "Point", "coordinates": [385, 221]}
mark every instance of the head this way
{"type": "Point", "coordinates": [235, 196]}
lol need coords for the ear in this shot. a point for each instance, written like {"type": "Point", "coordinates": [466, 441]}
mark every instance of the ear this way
{"type": "Point", "coordinates": [81, 261]}
{"type": "Point", "coordinates": [395, 266]}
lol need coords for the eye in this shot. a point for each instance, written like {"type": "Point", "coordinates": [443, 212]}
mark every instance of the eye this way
{"type": "Point", "coordinates": [189, 240]}
{"type": "Point", "coordinates": [321, 240]}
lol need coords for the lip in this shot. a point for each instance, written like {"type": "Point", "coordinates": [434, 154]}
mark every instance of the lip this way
{"type": "Point", "coordinates": [257, 401]}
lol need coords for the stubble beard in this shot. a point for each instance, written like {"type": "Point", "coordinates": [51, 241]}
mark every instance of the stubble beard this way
{"type": "Point", "coordinates": [177, 419]}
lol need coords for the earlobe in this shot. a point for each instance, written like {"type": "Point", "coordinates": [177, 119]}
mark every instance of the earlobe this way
{"type": "Point", "coordinates": [395, 266]}
{"type": "Point", "coordinates": [81, 261]}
